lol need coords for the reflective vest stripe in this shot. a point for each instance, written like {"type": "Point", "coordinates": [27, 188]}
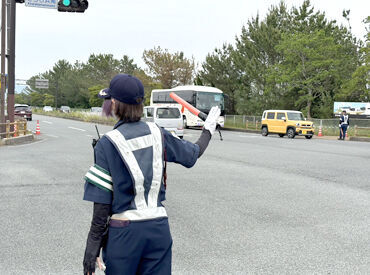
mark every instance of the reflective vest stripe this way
{"type": "Point", "coordinates": [140, 142]}
{"type": "Point", "coordinates": [345, 119]}
{"type": "Point", "coordinates": [143, 214]}
{"type": "Point", "coordinates": [124, 149]}
{"type": "Point", "coordinates": [157, 165]}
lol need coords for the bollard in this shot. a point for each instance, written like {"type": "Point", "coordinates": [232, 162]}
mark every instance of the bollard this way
{"type": "Point", "coordinates": [355, 131]}
{"type": "Point", "coordinates": [25, 127]}
{"type": "Point", "coordinates": [15, 132]}
{"type": "Point", "coordinates": [246, 125]}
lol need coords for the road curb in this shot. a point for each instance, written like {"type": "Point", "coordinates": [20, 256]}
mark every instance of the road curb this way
{"type": "Point", "coordinates": [17, 140]}
{"type": "Point", "coordinates": [363, 139]}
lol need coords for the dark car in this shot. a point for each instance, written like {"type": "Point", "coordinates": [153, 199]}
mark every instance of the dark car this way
{"type": "Point", "coordinates": [23, 111]}
{"type": "Point", "coordinates": [65, 109]}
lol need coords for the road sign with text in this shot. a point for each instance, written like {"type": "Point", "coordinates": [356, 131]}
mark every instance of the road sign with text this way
{"type": "Point", "coordinates": [47, 4]}
{"type": "Point", "coordinates": [42, 83]}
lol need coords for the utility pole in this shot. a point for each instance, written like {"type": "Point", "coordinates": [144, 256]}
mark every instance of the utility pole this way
{"type": "Point", "coordinates": [11, 60]}
{"type": "Point", "coordinates": [3, 57]}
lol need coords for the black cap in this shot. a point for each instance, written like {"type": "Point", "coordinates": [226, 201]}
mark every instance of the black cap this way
{"type": "Point", "coordinates": [125, 88]}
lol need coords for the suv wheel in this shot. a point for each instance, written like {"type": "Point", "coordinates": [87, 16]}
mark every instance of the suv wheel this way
{"type": "Point", "coordinates": [290, 133]}
{"type": "Point", "coordinates": [281, 135]}
{"type": "Point", "coordinates": [308, 137]}
{"type": "Point", "coordinates": [264, 131]}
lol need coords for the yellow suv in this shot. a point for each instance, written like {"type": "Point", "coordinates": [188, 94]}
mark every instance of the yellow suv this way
{"type": "Point", "coordinates": [285, 122]}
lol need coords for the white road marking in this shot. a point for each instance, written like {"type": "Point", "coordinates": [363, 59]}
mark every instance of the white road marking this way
{"type": "Point", "coordinates": [89, 136]}
{"type": "Point", "coordinates": [48, 122]}
{"type": "Point", "coordinates": [51, 136]}
{"type": "Point", "coordinates": [78, 129]}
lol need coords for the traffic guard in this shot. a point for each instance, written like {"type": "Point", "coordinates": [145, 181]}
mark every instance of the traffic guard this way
{"type": "Point", "coordinates": [127, 186]}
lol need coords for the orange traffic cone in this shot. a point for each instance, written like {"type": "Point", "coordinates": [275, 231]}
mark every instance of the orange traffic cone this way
{"type": "Point", "coordinates": [15, 130]}
{"type": "Point", "coordinates": [38, 128]}
{"type": "Point", "coordinates": [346, 134]}
{"type": "Point", "coordinates": [320, 132]}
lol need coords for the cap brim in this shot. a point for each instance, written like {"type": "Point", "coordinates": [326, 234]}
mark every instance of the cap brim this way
{"type": "Point", "coordinates": [104, 93]}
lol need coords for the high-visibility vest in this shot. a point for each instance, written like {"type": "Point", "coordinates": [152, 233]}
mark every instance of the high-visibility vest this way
{"type": "Point", "coordinates": [145, 207]}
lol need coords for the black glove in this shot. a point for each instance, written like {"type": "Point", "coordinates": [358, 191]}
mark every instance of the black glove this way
{"type": "Point", "coordinates": [203, 141]}
{"type": "Point", "coordinates": [98, 231]}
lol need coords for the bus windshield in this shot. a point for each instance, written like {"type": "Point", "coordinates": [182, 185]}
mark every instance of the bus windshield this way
{"type": "Point", "coordinates": [205, 101]}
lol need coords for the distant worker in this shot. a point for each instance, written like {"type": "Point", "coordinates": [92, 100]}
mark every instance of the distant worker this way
{"type": "Point", "coordinates": [127, 186]}
{"type": "Point", "coordinates": [343, 125]}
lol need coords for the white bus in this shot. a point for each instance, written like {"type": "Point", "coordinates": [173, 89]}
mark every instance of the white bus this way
{"type": "Point", "coordinates": [201, 97]}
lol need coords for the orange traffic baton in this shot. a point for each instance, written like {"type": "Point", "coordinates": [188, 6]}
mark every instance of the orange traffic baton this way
{"type": "Point", "coordinates": [188, 106]}
{"type": "Point", "coordinates": [193, 110]}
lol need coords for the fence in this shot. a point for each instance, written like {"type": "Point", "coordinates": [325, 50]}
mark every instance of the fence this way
{"type": "Point", "coordinates": [358, 127]}
{"type": "Point", "coordinates": [19, 128]}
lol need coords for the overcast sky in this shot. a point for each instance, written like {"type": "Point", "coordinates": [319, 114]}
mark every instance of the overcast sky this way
{"type": "Point", "coordinates": [124, 27]}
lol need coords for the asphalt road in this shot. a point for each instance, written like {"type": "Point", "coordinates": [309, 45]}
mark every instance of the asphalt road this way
{"type": "Point", "coordinates": [252, 204]}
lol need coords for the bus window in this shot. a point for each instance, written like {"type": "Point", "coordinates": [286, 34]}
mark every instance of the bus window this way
{"type": "Point", "coordinates": [162, 97]}
{"type": "Point", "coordinates": [188, 96]}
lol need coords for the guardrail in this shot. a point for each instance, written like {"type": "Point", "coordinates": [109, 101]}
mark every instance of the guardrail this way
{"type": "Point", "coordinates": [13, 129]}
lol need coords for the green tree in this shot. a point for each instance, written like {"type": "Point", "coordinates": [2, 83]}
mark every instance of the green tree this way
{"type": "Point", "coordinates": [219, 71]}
{"type": "Point", "coordinates": [94, 100]}
{"type": "Point", "coordinates": [169, 69]}
{"type": "Point", "coordinates": [311, 70]}
{"type": "Point", "coordinates": [57, 78]}
{"type": "Point", "coordinates": [256, 58]}
{"type": "Point", "coordinates": [37, 99]}
{"type": "Point", "coordinates": [101, 68]}
{"type": "Point", "coordinates": [22, 98]}
{"type": "Point", "coordinates": [48, 100]}
{"type": "Point", "coordinates": [127, 65]}
{"type": "Point", "coordinates": [358, 87]}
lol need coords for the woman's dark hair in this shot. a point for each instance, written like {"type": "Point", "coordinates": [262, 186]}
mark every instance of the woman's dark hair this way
{"type": "Point", "coordinates": [128, 112]}
{"type": "Point", "coordinates": [107, 107]}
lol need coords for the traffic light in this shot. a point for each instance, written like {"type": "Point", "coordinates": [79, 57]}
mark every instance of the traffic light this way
{"type": "Point", "coordinates": [72, 5]}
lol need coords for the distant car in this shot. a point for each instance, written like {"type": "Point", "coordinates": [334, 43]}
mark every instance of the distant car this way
{"type": "Point", "coordinates": [47, 109]}
{"type": "Point", "coordinates": [23, 111]}
{"type": "Point", "coordinates": [169, 118]}
{"type": "Point", "coordinates": [65, 109]}
{"type": "Point", "coordinates": [96, 110]}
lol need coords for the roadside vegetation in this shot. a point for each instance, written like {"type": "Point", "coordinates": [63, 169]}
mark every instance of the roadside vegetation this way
{"type": "Point", "coordinates": [292, 58]}
{"type": "Point", "coordinates": [78, 115]}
